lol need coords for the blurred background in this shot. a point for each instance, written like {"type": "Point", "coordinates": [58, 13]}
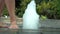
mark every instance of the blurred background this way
{"type": "Point", "coordinates": [45, 8]}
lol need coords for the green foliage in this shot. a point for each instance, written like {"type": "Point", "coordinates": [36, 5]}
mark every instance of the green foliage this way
{"type": "Point", "coordinates": [5, 11]}
{"type": "Point", "coordinates": [48, 8]}
{"type": "Point", "coordinates": [43, 17]}
{"type": "Point", "coordinates": [20, 11]}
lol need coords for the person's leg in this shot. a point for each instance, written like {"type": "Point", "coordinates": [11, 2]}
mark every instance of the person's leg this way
{"type": "Point", "coordinates": [11, 9]}
{"type": "Point", "coordinates": [1, 8]}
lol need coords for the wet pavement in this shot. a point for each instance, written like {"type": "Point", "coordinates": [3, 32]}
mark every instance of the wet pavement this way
{"type": "Point", "coordinates": [30, 31]}
{"type": "Point", "coordinates": [17, 31]}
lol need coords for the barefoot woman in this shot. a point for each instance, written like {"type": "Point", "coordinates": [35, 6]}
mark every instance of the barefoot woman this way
{"type": "Point", "coordinates": [10, 4]}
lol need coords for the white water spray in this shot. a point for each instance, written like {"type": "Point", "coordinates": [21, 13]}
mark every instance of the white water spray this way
{"type": "Point", "coordinates": [30, 17]}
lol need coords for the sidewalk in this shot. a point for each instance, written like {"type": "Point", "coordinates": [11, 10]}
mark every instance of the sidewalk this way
{"type": "Point", "coordinates": [7, 20]}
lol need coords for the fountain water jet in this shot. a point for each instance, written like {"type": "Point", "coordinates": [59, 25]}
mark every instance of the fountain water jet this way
{"type": "Point", "coordinates": [30, 17]}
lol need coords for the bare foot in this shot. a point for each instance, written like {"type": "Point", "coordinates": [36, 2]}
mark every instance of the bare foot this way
{"type": "Point", "coordinates": [13, 27]}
